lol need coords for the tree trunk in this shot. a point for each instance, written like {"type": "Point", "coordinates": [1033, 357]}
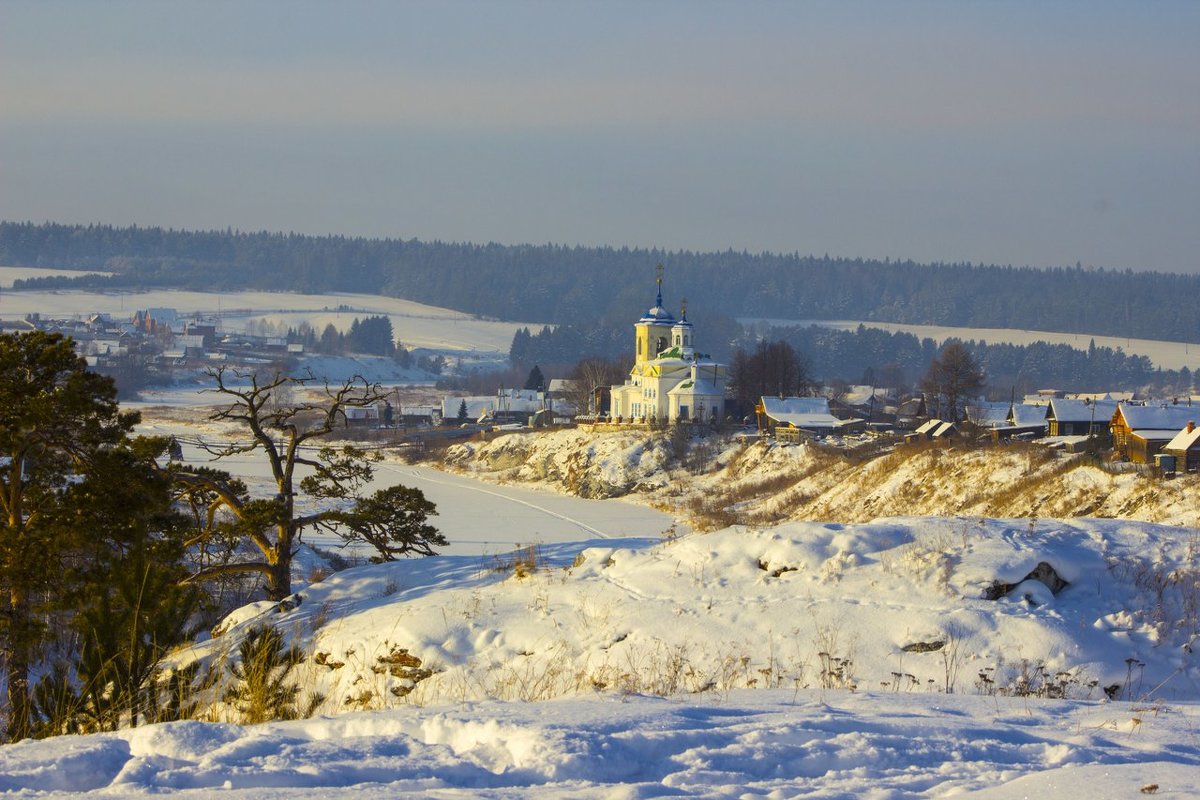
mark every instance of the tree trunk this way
{"type": "Point", "coordinates": [279, 575]}
{"type": "Point", "coordinates": [16, 658]}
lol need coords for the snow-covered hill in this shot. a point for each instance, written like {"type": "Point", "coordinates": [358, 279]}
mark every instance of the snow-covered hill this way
{"type": "Point", "coordinates": [715, 482]}
{"type": "Point", "coordinates": [898, 605]}
{"type": "Point", "coordinates": [905, 656]}
{"type": "Point", "coordinates": [805, 659]}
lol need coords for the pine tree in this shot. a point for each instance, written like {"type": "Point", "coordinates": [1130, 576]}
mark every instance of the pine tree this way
{"type": "Point", "coordinates": [263, 691]}
{"type": "Point", "coordinates": [128, 586]}
{"type": "Point", "coordinates": [536, 381]}
{"type": "Point", "coordinates": [55, 418]}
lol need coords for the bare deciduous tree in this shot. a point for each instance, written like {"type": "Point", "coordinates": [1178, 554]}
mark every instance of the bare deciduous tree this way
{"type": "Point", "coordinates": [954, 378]}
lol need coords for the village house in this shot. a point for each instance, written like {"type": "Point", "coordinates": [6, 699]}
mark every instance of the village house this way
{"type": "Point", "coordinates": [1140, 431]}
{"type": "Point", "coordinates": [507, 405]}
{"type": "Point", "coordinates": [1005, 421]}
{"type": "Point", "coordinates": [787, 417]}
{"type": "Point", "coordinates": [1078, 417]}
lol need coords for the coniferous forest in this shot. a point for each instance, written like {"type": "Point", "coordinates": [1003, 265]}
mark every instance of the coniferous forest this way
{"type": "Point", "coordinates": [589, 293]}
{"type": "Point", "coordinates": [560, 284]}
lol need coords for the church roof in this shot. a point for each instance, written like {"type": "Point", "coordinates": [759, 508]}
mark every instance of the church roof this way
{"type": "Point", "coordinates": [658, 314]}
{"type": "Point", "coordinates": [701, 388]}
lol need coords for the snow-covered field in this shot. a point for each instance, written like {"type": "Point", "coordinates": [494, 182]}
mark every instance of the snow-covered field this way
{"type": "Point", "coordinates": [1168, 355]}
{"type": "Point", "coordinates": [414, 324]}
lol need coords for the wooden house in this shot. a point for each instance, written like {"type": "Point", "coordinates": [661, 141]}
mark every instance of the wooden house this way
{"type": "Point", "coordinates": [1078, 417]}
{"type": "Point", "coordinates": [1141, 431]}
{"type": "Point", "coordinates": [808, 414]}
{"type": "Point", "coordinates": [1185, 446]}
{"type": "Point", "coordinates": [1027, 421]}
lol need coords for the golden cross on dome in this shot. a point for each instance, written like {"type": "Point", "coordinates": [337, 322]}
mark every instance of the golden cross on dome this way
{"type": "Point", "coordinates": [659, 272]}
{"type": "Point", "coordinates": [683, 309]}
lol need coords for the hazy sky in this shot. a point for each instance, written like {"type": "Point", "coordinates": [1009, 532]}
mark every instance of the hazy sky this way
{"type": "Point", "coordinates": [1039, 133]}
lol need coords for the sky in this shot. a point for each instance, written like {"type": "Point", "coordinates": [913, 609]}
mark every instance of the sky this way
{"type": "Point", "coordinates": [1040, 133]}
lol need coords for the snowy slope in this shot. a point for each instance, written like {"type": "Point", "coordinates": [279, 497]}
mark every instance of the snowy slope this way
{"type": "Point", "coordinates": [825, 659]}
{"type": "Point", "coordinates": [798, 605]}
{"type": "Point", "coordinates": [628, 665]}
{"type": "Point", "coordinates": [776, 743]}
{"type": "Point", "coordinates": [764, 483]}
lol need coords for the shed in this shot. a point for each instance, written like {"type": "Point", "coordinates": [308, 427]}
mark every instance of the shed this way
{"type": "Point", "coordinates": [936, 429]}
{"type": "Point", "coordinates": [1185, 446]}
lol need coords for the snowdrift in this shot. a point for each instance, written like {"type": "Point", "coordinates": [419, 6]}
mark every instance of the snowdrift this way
{"type": "Point", "coordinates": [898, 605]}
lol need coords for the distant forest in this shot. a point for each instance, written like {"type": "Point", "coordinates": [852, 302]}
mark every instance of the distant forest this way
{"type": "Point", "coordinates": [593, 293]}
{"type": "Point", "coordinates": [557, 284]}
{"type": "Point", "coordinates": [880, 358]}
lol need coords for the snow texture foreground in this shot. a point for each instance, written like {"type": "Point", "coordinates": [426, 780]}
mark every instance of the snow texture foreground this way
{"type": "Point", "coordinates": [771, 743]}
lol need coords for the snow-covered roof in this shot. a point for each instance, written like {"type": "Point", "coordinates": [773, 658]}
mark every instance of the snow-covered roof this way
{"type": "Point", "coordinates": [802, 412]}
{"type": "Point", "coordinates": [1158, 417]}
{"type": "Point", "coordinates": [1155, 434]}
{"type": "Point", "coordinates": [860, 395]}
{"type": "Point", "coordinates": [988, 415]}
{"type": "Point", "coordinates": [1065, 410]}
{"type": "Point", "coordinates": [697, 388]}
{"type": "Point", "coordinates": [1029, 414]}
{"type": "Point", "coordinates": [1184, 440]}
{"type": "Point", "coordinates": [936, 428]}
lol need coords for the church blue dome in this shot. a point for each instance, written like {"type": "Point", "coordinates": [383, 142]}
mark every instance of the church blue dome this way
{"type": "Point", "coordinates": [657, 314]}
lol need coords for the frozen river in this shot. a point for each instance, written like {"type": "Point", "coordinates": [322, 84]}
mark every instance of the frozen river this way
{"type": "Point", "coordinates": [478, 518]}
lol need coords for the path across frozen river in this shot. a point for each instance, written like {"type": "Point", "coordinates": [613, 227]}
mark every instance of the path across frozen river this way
{"type": "Point", "coordinates": [479, 517]}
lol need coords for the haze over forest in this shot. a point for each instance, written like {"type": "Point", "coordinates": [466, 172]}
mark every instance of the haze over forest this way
{"type": "Point", "coordinates": [1013, 133]}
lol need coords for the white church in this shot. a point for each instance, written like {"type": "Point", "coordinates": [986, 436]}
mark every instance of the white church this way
{"type": "Point", "coordinates": [669, 381]}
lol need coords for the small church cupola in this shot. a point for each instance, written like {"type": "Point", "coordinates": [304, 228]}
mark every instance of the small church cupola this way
{"type": "Point", "coordinates": [683, 334]}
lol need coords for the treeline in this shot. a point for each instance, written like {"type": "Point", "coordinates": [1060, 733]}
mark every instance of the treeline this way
{"type": "Point", "coordinates": [876, 356]}
{"type": "Point", "coordinates": [589, 286]}
{"type": "Point", "coordinates": [372, 336]}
